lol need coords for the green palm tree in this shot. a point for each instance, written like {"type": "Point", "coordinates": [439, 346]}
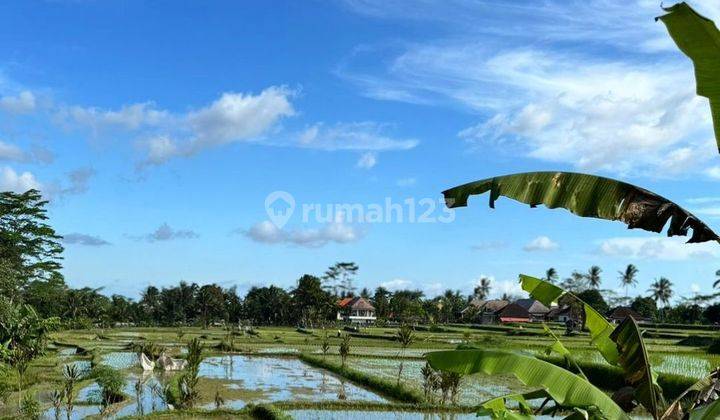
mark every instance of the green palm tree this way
{"type": "Point", "coordinates": [661, 290]}
{"type": "Point", "coordinates": [551, 275]}
{"type": "Point", "coordinates": [593, 276]}
{"type": "Point", "coordinates": [482, 290]}
{"type": "Point", "coordinates": [628, 277]}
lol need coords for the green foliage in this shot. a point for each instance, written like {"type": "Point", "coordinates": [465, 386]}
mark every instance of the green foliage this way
{"type": "Point", "coordinates": [588, 196]}
{"type": "Point", "coordinates": [30, 407]}
{"type": "Point", "coordinates": [636, 365]}
{"type": "Point", "coordinates": [344, 348]}
{"type": "Point", "coordinates": [311, 303]}
{"type": "Point", "coordinates": [594, 298]}
{"type": "Point", "coordinates": [645, 306]}
{"type": "Point", "coordinates": [150, 349]}
{"type": "Point", "coordinates": [325, 343]}
{"type": "Point", "coordinates": [111, 382]}
{"type": "Point", "coordinates": [565, 388]}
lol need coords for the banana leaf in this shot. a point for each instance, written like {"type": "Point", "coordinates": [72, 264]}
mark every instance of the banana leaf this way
{"type": "Point", "coordinates": [564, 387]}
{"type": "Point", "coordinates": [704, 389]}
{"type": "Point", "coordinates": [588, 196]}
{"type": "Point", "coordinates": [706, 412]}
{"type": "Point", "coordinates": [497, 408]}
{"type": "Point", "coordinates": [636, 365]}
{"type": "Point", "coordinates": [699, 38]}
{"type": "Point", "coordinates": [599, 327]}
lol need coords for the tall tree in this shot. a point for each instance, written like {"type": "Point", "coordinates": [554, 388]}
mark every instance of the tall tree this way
{"type": "Point", "coordinates": [482, 290]}
{"type": "Point", "coordinates": [210, 302]}
{"type": "Point", "coordinates": [628, 277]}
{"type": "Point", "coordinates": [310, 303]}
{"type": "Point", "coordinates": [340, 277]}
{"type": "Point", "coordinates": [268, 305]}
{"type": "Point", "coordinates": [661, 290]}
{"type": "Point", "coordinates": [593, 276]}
{"type": "Point", "coordinates": [381, 302]}
{"type": "Point", "coordinates": [551, 275]}
{"type": "Point", "coordinates": [574, 283]}
{"type": "Point", "coordinates": [29, 247]}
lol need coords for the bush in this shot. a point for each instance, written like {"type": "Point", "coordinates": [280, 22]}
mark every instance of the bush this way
{"type": "Point", "coordinates": [714, 347]}
{"type": "Point", "coordinates": [30, 407]}
{"type": "Point", "coordinates": [111, 382]}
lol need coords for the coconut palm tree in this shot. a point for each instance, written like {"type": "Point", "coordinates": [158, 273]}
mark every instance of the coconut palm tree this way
{"type": "Point", "coordinates": [575, 282]}
{"type": "Point", "coordinates": [482, 290]}
{"type": "Point", "coordinates": [551, 275]}
{"type": "Point", "coordinates": [661, 290]}
{"type": "Point", "coordinates": [628, 277]}
{"type": "Point", "coordinates": [593, 276]}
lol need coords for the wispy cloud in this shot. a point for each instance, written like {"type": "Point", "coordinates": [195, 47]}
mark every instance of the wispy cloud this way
{"type": "Point", "coordinates": [657, 248]}
{"type": "Point", "coordinates": [84, 239]}
{"type": "Point", "coordinates": [165, 232]}
{"type": "Point", "coordinates": [541, 243]}
{"type": "Point", "coordinates": [367, 160]}
{"type": "Point", "coordinates": [367, 136]}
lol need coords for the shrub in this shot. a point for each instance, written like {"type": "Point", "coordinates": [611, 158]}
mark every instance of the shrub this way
{"type": "Point", "coordinates": [111, 382]}
{"type": "Point", "coordinates": [30, 407]}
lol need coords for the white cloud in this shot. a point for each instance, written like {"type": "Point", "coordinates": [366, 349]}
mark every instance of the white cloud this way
{"type": "Point", "coordinates": [367, 160]}
{"type": "Point", "coordinates": [593, 84]}
{"type": "Point", "coordinates": [657, 248]}
{"type": "Point", "coordinates": [406, 182]}
{"type": "Point", "coordinates": [17, 182]}
{"type": "Point", "coordinates": [366, 136]}
{"type": "Point", "coordinates": [84, 239]}
{"type": "Point", "coordinates": [10, 152]}
{"type": "Point", "coordinates": [128, 117]}
{"type": "Point", "coordinates": [165, 232]}
{"type": "Point", "coordinates": [22, 103]}
{"type": "Point", "coordinates": [541, 243]}
{"type": "Point", "coordinates": [433, 289]}
{"type": "Point", "coordinates": [695, 288]}
{"type": "Point", "coordinates": [336, 231]}
{"type": "Point", "coordinates": [397, 284]}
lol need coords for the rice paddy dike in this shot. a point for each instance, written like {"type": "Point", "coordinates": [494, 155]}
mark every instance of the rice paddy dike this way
{"type": "Point", "coordinates": [281, 372]}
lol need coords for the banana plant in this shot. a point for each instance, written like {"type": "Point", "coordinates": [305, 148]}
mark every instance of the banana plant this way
{"type": "Point", "coordinates": [588, 196]}
{"type": "Point", "coordinates": [565, 388]}
{"type": "Point", "coordinates": [699, 38]}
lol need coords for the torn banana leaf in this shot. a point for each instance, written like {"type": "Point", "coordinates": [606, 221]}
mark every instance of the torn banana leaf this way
{"type": "Point", "coordinates": [599, 327]}
{"type": "Point", "coordinates": [563, 386]}
{"type": "Point", "coordinates": [588, 196]}
{"type": "Point", "coordinates": [636, 365]}
{"type": "Point", "coordinates": [699, 393]}
{"type": "Point", "coordinates": [699, 38]}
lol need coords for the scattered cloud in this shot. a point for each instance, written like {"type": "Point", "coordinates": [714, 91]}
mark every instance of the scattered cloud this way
{"type": "Point", "coordinates": [17, 182]}
{"type": "Point", "coordinates": [489, 245]}
{"type": "Point", "coordinates": [406, 182]}
{"type": "Point", "coordinates": [368, 136]}
{"type": "Point", "coordinates": [541, 243]}
{"type": "Point", "coordinates": [433, 289]}
{"type": "Point", "coordinates": [657, 248]}
{"type": "Point", "coordinates": [83, 239]}
{"type": "Point", "coordinates": [166, 233]}
{"type": "Point", "coordinates": [78, 181]}
{"type": "Point", "coordinates": [367, 160]}
{"type": "Point", "coordinates": [397, 284]}
{"type": "Point", "coordinates": [22, 103]}
{"type": "Point", "coordinates": [336, 231]}
{"type": "Point", "coordinates": [594, 85]}
{"type": "Point", "coordinates": [128, 117]}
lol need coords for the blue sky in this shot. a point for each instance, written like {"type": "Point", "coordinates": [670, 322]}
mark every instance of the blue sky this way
{"type": "Point", "coordinates": [158, 130]}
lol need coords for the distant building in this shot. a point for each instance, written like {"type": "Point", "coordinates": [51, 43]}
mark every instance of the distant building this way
{"type": "Point", "coordinates": [490, 311]}
{"type": "Point", "coordinates": [560, 314]}
{"type": "Point", "coordinates": [619, 314]}
{"type": "Point", "coordinates": [356, 310]}
{"type": "Point", "coordinates": [514, 312]}
{"type": "Point", "coordinates": [535, 309]}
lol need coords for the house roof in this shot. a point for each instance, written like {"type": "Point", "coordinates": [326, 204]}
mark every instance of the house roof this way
{"type": "Point", "coordinates": [622, 312]}
{"type": "Point", "coordinates": [533, 306]}
{"type": "Point", "coordinates": [513, 310]}
{"type": "Point", "coordinates": [558, 310]}
{"type": "Point", "coordinates": [356, 303]}
{"type": "Point", "coordinates": [494, 305]}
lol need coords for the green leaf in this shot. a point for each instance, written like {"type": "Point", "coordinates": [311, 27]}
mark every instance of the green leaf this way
{"type": "Point", "coordinates": [564, 387]}
{"type": "Point", "coordinates": [675, 410]}
{"type": "Point", "coordinates": [599, 327]}
{"type": "Point", "coordinates": [497, 408]}
{"type": "Point", "coordinates": [698, 37]}
{"type": "Point", "coordinates": [636, 365]}
{"type": "Point", "coordinates": [706, 412]}
{"type": "Point", "coordinates": [588, 196]}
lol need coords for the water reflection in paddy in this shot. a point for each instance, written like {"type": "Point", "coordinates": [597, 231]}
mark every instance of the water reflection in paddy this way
{"type": "Point", "coordinates": [279, 379]}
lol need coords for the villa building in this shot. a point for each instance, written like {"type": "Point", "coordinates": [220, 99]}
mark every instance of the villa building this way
{"type": "Point", "coordinates": [356, 310]}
